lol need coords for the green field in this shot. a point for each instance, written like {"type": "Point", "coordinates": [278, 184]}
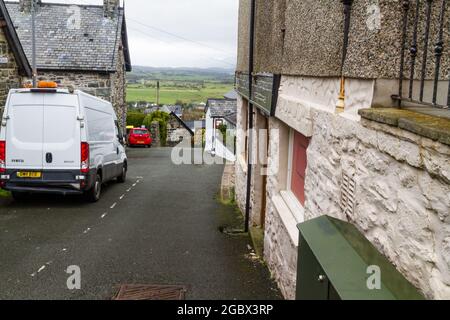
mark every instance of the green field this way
{"type": "Point", "coordinates": [170, 94]}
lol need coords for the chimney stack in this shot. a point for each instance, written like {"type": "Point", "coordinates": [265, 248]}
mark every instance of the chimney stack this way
{"type": "Point", "coordinates": [110, 8]}
{"type": "Point", "coordinates": [25, 5]}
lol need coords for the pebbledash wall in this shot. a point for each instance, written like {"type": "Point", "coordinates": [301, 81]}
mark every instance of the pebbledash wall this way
{"type": "Point", "coordinates": [399, 181]}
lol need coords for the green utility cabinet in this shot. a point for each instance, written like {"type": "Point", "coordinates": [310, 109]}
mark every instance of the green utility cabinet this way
{"type": "Point", "coordinates": [336, 262]}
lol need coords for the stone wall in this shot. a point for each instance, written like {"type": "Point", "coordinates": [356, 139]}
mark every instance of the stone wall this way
{"type": "Point", "coordinates": [9, 73]}
{"type": "Point", "coordinates": [119, 87]}
{"type": "Point", "coordinates": [280, 247]}
{"type": "Point", "coordinates": [94, 83]}
{"type": "Point", "coordinates": [241, 163]}
{"type": "Point", "coordinates": [154, 129]}
{"type": "Point", "coordinates": [402, 193]}
{"type": "Point", "coordinates": [401, 197]}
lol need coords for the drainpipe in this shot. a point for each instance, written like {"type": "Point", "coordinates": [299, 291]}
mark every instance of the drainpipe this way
{"type": "Point", "coordinates": [250, 113]}
{"type": "Point", "coordinates": [347, 13]}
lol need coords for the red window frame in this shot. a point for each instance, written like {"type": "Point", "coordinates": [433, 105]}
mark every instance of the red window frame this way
{"type": "Point", "coordinates": [299, 165]}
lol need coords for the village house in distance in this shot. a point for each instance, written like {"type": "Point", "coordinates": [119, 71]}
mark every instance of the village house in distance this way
{"type": "Point", "coordinates": [355, 97]}
{"type": "Point", "coordinates": [217, 111]}
{"type": "Point", "coordinates": [84, 46]}
{"type": "Point", "coordinates": [14, 65]}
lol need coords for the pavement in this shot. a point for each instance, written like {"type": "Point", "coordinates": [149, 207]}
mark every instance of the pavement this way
{"type": "Point", "coordinates": [162, 227]}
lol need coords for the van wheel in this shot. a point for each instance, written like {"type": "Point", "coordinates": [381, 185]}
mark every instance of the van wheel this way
{"type": "Point", "coordinates": [19, 196]}
{"type": "Point", "coordinates": [123, 177]}
{"type": "Point", "coordinates": [93, 195]}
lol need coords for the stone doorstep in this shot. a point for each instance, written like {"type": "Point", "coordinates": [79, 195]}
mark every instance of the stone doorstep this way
{"type": "Point", "coordinates": [433, 127]}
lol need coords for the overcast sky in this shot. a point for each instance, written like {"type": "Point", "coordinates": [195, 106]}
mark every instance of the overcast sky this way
{"type": "Point", "coordinates": [199, 33]}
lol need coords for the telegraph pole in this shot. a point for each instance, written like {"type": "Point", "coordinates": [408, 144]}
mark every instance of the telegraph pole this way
{"type": "Point", "coordinates": [33, 40]}
{"type": "Point", "coordinates": [157, 92]}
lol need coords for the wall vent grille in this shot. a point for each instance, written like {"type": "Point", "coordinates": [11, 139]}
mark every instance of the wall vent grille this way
{"type": "Point", "coordinates": [348, 190]}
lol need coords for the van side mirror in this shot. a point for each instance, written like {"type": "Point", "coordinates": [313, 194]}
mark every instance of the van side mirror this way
{"type": "Point", "coordinates": [120, 138]}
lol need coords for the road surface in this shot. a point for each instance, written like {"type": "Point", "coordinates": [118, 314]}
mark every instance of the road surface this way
{"type": "Point", "coordinates": [160, 227]}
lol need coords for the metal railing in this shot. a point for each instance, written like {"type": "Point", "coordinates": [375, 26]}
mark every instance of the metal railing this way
{"type": "Point", "coordinates": [410, 38]}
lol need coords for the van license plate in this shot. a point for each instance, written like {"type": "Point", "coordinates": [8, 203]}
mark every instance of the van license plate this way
{"type": "Point", "coordinates": [31, 175]}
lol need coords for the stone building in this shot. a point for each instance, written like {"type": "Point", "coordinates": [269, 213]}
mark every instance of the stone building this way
{"type": "Point", "coordinates": [354, 96]}
{"type": "Point", "coordinates": [14, 66]}
{"type": "Point", "coordinates": [84, 46]}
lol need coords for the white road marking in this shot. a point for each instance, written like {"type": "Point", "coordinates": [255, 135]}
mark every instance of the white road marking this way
{"type": "Point", "coordinates": [88, 229]}
{"type": "Point", "coordinates": [40, 269]}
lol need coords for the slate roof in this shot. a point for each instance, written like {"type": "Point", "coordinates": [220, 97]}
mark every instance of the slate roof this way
{"type": "Point", "coordinates": [178, 110]}
{"type": "Point", "coordinates": [221, 107]}
{"type": "Point", "coordinates": [232, 95]}
{"type": "Point", "coordinates": [14, 42]}
{"type": "Point", "coordinates": [62, 45]}
{"type": "Point", "coordinates": [191, 124]}
{"type": "Point", "coordinates": [231, 118]}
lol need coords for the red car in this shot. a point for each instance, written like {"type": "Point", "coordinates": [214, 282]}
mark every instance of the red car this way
{"type": "Point", "coordinates": [139, 137]}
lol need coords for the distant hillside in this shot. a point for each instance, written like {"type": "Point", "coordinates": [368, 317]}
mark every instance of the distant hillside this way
{"type": "Point", "coordinates": [140, 73]}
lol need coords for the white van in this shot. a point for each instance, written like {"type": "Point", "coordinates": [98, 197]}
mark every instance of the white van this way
{"type": "Point", "coordinates": [59, 141]}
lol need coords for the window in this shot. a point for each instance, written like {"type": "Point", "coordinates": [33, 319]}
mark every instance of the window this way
{"type": "Point", "coordinates": [140, 131]}
{"type": "Point", "coordinates": [219, 122]}
{"type": "Point", "coordinates": [298, 167]}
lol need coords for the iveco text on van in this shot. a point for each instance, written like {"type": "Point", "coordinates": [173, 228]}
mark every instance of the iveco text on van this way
{"type": "Point", "coordinates": [59, 141]}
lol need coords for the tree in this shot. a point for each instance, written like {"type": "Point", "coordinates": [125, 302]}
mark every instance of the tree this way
{"type": "Point", "coordinates": [135, 119]}
{"type": "Point", "coordinates": [223, 130]}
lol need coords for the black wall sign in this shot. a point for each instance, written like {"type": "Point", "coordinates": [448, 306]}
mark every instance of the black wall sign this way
{"type": "Point", "coordinates": [264, 92]}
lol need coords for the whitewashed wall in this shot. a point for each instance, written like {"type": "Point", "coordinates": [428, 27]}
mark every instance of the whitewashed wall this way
{"type": "Point", "coordinates": [402, 185]}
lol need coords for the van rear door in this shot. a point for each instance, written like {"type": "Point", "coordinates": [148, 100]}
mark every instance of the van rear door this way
{"type": "Point", "coordinates": [62, 132]}
{"type": "Point", "coordinates": [24, 131]}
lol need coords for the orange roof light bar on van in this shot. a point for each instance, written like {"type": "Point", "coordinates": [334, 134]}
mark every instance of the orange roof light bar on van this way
{"type": "Point", "coordinates": [47, 84]}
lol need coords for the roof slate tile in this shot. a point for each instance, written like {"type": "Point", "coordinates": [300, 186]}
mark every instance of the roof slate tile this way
{"type": "Point", "coordinates": [62, 44]}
